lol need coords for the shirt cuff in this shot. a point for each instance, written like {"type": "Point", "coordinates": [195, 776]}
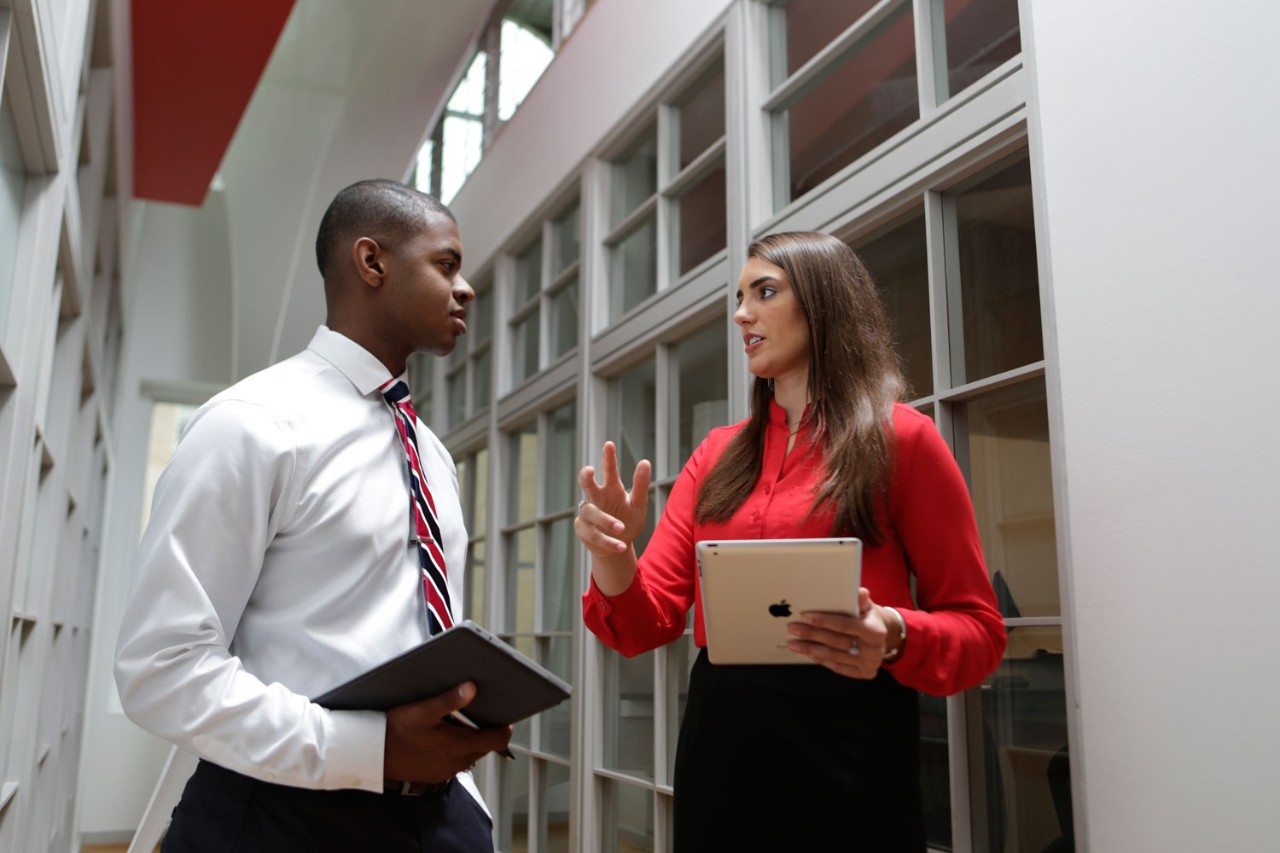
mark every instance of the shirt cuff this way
{"type": "Point", "coordinates": [355, 745]}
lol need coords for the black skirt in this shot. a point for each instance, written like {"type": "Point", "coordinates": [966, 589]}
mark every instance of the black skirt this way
{"type": "Point", "coordinates": [797, 758]}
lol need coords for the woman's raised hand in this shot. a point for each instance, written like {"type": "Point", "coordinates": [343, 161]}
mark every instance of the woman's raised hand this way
{"type": "Point", "coordinates": [610, 517]}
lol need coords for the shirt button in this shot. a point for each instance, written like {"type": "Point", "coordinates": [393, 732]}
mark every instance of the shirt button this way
{"type": "Point", "coordinates": [768, 490]}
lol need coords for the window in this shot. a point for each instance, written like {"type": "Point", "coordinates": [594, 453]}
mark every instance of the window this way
{"type": "Point", "coordinates": [473, 489]}
{"type": "Point", "coordinates": [544, 322]}
{"type": "Point", "coordinates": [667, 208]}
{"type": "Point", "coordinates": [168, 420]}
{"type": "Point", "coordinates": [468, 370]}
{"type": "Point", "coordinates": [540, 607]}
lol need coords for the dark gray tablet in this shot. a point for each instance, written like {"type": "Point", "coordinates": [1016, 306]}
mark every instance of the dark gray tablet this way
{"type": "Point", "coordinates": [509, 686]}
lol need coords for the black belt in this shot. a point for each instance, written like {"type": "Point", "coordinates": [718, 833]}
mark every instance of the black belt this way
{"type": "Point", "coordinates": [415, 789]}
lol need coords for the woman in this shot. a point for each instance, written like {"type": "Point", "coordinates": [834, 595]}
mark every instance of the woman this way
{"type": "Point", "coordinates": [811, 757]}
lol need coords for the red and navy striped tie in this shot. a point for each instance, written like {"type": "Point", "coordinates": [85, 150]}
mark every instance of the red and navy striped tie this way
{"type": "Point", "coordinates": [423, 507]}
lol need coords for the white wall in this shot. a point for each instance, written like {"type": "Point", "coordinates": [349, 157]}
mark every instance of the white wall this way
{"type": "Point", "coordinates": [179, 332]}
{"type": "Point", "coordinates": [1155, 129]}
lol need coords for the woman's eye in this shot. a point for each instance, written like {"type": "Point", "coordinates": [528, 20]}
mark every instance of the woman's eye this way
{"type": "Point", "coordinates": [766, 292]}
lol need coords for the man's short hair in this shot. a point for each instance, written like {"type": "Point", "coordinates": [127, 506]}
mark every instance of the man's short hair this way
{"type": "Point", "coordinates": [387, 211]}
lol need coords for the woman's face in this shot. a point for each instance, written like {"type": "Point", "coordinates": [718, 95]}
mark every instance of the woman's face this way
{"type": "Point", "coordinates": [774, 332]}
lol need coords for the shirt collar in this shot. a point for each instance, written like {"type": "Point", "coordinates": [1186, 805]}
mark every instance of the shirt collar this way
{"type": "Point", "coordinates": [353, 361]}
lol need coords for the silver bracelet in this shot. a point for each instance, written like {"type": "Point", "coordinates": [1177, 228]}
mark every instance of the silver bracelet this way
{"type": "Point", "coordinates": [902, 627]}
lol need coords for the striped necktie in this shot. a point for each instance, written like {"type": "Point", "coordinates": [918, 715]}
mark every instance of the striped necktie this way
{"type": "Point", "coordinates": [423, 506]}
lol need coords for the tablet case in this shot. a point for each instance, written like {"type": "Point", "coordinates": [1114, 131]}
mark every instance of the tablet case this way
{"type": "Point", "coordinates": [509, 686]}
{"type": "Point", "coordinates": [751, 589]}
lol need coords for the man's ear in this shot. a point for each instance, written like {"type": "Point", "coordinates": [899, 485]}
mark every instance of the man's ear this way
{"type": "Point", "coordinates": [370, 261]}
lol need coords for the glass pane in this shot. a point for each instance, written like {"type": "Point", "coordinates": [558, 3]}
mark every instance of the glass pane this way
{"type": "Point", "coordinates": [811, 25]}
{"type": "Point", "coordinates": [13, 187]}
{"type": "Point", "coordinates": [981, 34]}
{"type": "Point", "coordinates": [699, 392]}
{"type": "Point", "coordinates": [519, 591]}
{"type": "Point", "coordinates": [523, 733]}
{"type": "Point", "coordinates": [482, 379]}
{"type": "Point", "coordinates": [477, 575]}
{"type": "Point", "coordinates": [512, 815]}
{"type": "Point", "coordinates": [632, 413]}
{"type": "Point", "coordinates": [634, 269]}
{"type": "Point", "coordinates": [525, 54]}
{"type": "Point", "coordinates": [564, 319]}
{"type": "Point", "coordinates": [463, 143]}
{"type": "Point", "coordinates": [469, 96]}
{"type": "Point", "coordinates": [561, 491]}
{"type": "Point", "coordinates": [628, 698]}
{"type": "Point", "coordinates": [1009, 472]}
{"type": "Point", "coordinates": [628, 818]}
{"type": "Point", "coordinates": [481, 504]}
{"type": "Point", "coordinates": [168, 420]}
{"type": "Point", "coordinates": [566, 246]}
{"type": "Point", "coordinates": [480, 318]}
{"type": "Point", "coordinates": [702, 117]}
{"type": "Point", "coordinates": [522, 499]}
{"type": "Point", "coordinates": [555, 721]}
{"type": "Point", "coordinates": [898, 262]}
{"type": "Point", "coordinates": [559, 593]}
{"type": "Point", "coordinates": [556, 798]}
{"type": "Point", "coordinates": [528, 275]}
{"type": "Point", "coordinates": [456, 388]}
{"type": "Point", "coordinates": [861, 103]}
{"type": "Point", "coordinates": [701, 218]}
{"type": "Point", "coordinates": [995, 263]}
{"type": "Point", "coordinates": [680, 657]}
{"type": "Point", "coordinates": [1021, 790]}
{"type": "Point", "coordinates": [466, 491]}
{"type": "Point", "coordinates": [635, 178]}
{"type": "Point", "coordinates": [524, 350]}
{"type": "Point", "coordinates": [935, 771]}
{"type": "Point", "coordinates": [422, 169]}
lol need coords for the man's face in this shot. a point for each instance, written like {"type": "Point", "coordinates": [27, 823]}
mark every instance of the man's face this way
{"type": "Point", "coordinates": [427, 312]}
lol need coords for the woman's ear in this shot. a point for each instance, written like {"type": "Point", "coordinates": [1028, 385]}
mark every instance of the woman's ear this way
{"type": "Point", "coordinates": [369, 261]}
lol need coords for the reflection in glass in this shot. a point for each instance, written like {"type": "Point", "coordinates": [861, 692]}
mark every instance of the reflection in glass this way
{"type": "Point", "coordinates": [456, 389]}
{"type": "Point", "coordinates": [1012, 485]}
{"type": "Point", "coordinates": [524, 349]}
{"type": "Point", "coordinates": [635, 178]}
{"type": "Point", "coordinates": [556, 798]}
{"type": "Point", "coordinates": [702, 116]}
{"type": "Point", "coordinates": [481, 504]}
{"type": "Point", "coordinates": [555, 732]}
{"type": "Point", "coordinates": [633, 269]}
{"type": "Point", "coordinates": [701, 217]}
{"type": "Point", "coordinates": [528, 275]}
{"type": "Point", "coordinates": [981, 34]}
{"type": "Point", "coordinates": [628, 696]}
{"type": "Point", "coordinates": [1021, 792]}
{"type": "Point", "coordinates": [519, 591]}
{"type": "Point", "coordinates": [680, 657]}
{"type": "Point", "coordinates": [522, 736]}
{"type": "Point", "coordinates": [628, 818]}
{"type": "Point", "coordinates": [996, 259]}
{"type": "Point", "coordinates": [564, 319]}
{"type": "Point", "coordinates": [810, 25]}
{"type": "Point", "coordinates": [632, 406]}
{"type": "Point", "coordinates": [482, 380]}
{"type": "Point", "coordinates": [935, 771]}
{"type": "Point", "coordinates": [559, 604]}
{"type": "Point", "coordinates": [567, 234]}
{"type": "Point", "coordinates": [513, 815]}
{"type": "Point", "coordinates": [861, 103]}
{"type": "Point", "coordinates": [898, 263]}
{"type": "Point", "coordinates": [477, 574]}
{"type": "Point", "coordinates": [699, 392]}
{"type": "Point", "coordinates": [561, 486]}
{"type": "Point", "coordinates": [522, 497]}
{"type": "Point", "coordinates": [479, 318]}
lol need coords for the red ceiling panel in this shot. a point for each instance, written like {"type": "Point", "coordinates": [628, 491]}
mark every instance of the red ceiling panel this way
{"type": "Point", "coordinates": [195, 66]}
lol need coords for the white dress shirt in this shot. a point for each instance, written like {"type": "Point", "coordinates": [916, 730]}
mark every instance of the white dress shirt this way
{"type": "Point", "coordinates": [278, 564]}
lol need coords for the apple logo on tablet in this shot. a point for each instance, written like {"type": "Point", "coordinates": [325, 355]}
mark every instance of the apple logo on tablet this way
{"type": "Point", "coordinates": [780, 609]}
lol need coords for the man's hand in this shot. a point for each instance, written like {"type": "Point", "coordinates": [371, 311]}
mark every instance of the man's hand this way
{"type": "Point", "coordinates": [424, 745]}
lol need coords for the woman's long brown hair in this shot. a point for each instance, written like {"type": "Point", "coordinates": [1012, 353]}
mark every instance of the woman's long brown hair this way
{"type": "Point", "coordinates": [854, 381]}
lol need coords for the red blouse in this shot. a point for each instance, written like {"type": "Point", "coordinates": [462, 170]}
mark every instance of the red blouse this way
{"type": "Point", "coordinates": [956, 636]}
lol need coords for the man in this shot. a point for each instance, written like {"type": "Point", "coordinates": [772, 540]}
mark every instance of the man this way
{"type": "Point", "coordinates": [283, 557]}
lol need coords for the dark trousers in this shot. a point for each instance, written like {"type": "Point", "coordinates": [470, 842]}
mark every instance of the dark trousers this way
{"type": "Point", "coordinates": [223, 811]}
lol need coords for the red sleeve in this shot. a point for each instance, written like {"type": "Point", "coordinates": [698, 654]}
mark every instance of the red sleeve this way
{"type": "Point", "coordinates": [651, 612]}
{"type": "Point", "coordinates": [957, 636]}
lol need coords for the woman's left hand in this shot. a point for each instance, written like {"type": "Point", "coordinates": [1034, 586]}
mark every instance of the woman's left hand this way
{"type": "Point", "coordinates": [852, 646]}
